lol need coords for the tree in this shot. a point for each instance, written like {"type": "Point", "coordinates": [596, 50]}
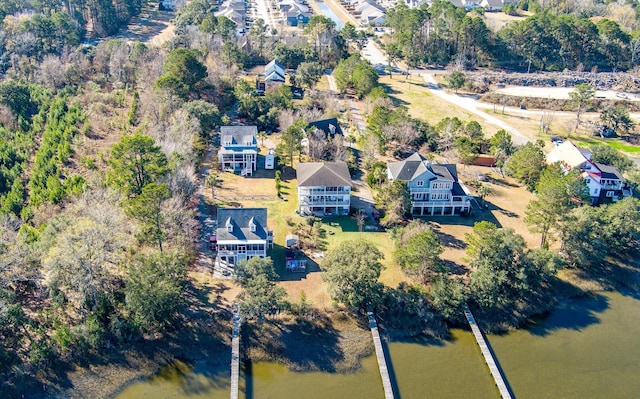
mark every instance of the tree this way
{"type": "Point", "coordinates": [507, 283]}
{"type": "Point", "coordinates": [581, 96]}
{"type": "Point", "coordinates": [147, 209]}
{"type": "Point", "coordinates": [207, 114]}
{"type": "Point", "coordinates": [617, 117]}
{"type": "Point", "coordinates": [257, 32]}
{"type": "Point", "coordinates": [483, 190]}
{"type": "Point", "coordinates": [501, 146]}
{"type": "Point", "coordinates": [290, 141]}
{"type": "Point", "coordinates": [395, 199]}
{"type": "Point", "coordinates": [261, 296]}
{"type": "Point", "coordinates": [558, 193]}
{"type": "Point", "coordinates": [82, 262]}
{"type": "Point", "coordinates": [621, 226]}
{"type": "Point", "coordinates": [308, 74]}
{"type": "Point", "coordinates": [448, 296]}
{"type": "Point", "coordinates": [456, 80]}
{"type": "Point", "coordinates": [526, 164]}
{"type": "Point", "coordinates": [153, 290]}
{"type": "Point", "coordinates": [182, 72]}
{"type": "Point", "coordinates": [418, 254]}
{"type": "Point", "coordinates": [602, 153]}
{"type": "Point", "coordinates": [135, 162]}
{"type": "Point", "coordinates": [351, 271]}
{"type": "Point", "coordinates": [262, 136]}
{"type": "Point", "coordinates": [582, 241]}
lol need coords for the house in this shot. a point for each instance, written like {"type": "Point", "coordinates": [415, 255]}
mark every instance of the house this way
{"type": "Point", "coordinates": [297, 17]}
{"type": "Point", "coordinates": [605, 183]}
{"type": "Point", "coordinates": [434, 188]}
{"type": "Point", "coordinates": [330, 127]}
{"type": "Point", "coordinates": [238, 149]}
{"type": "Point", "coordinates": [242, 234]}
{"type": "Point", "coordinates": [273, 76]}
{"type": "Point", "coordinates": [324, 188]}
{"type": "Point", "coordinates": [492, 5]}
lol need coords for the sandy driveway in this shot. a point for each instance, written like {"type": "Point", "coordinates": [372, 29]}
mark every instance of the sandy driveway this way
{"type": "Point", "coordinates": [472, 105]}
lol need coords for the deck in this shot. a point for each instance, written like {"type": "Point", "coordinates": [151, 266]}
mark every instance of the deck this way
{"type": "Point", "coordinates": [235, 352]}
{"type": "Point", "coordinates": [498, 378]}
{"type": "Point", "coordinates": [382, 362]}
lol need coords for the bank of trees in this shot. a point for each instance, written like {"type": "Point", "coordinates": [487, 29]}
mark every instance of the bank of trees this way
{"type": "Point", "coordinates": [443, 34]}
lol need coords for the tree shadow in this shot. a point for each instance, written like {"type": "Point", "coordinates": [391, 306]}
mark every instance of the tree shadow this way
{"type": "Point", "coordinates": [447, 239]}
{"type": "Point", "coordinates": [470, 220]}
{"type": "Point", "coordinates": [301, 344]}
{"type": "Point", "coordinates": [490, 206]}
{"type": "Point", "coordinates": [571, 314]}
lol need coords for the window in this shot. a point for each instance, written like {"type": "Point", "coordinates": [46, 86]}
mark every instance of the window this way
{"type": "Point", "coordinates": [587, 180]}
{"type": "Point", "coordinates": [610, 194]}
{"type": "Point", "coordinates": [420, 183]}
{"type": "Point", "coordinates": [227, 143]}
{"type": "Point", "coordinates": [252, 227]}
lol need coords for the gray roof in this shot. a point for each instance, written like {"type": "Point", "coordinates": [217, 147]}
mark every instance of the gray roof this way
{"type": "Point", "coordinates": [238, 135]}
{"type": "Point", "coordinates": [240, 219]}
{"type": "Point", "coordinates": [323, 174]}
{"type": "Point", "coordinates": [609, 172]}
{"type": "Point", "coordinates": [325, 126]}
{"type": "Point", "coordinates": [408, 169]}
{"type": "Point", "coordinates": [416, 165]}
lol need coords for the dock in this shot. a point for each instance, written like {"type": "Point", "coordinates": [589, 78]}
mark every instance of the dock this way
{"type": "Point", "coordinates": [382, 362]}
{"type": "Point", "coordinates": [235, 352]}
{"type": "Point", "coordinates": [498, 378]}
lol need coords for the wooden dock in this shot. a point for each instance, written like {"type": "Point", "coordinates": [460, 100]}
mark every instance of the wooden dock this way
{"type": "Point", "coordinates": [235, 352]}
{"type": "Point", "coordinates": [382, 362]}
{"type": "Point", "coordinates": [499, 379]}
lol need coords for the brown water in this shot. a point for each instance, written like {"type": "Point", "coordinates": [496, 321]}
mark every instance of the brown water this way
{"type": "Point", "coordinates": [588, 348]}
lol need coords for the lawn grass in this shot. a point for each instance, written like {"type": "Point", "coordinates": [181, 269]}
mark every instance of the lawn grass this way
{"type": "Point", "coordinates": [425, 106]}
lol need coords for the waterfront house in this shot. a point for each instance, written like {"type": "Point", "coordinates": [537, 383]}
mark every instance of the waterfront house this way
{"type": "Point", "coordinates": [242, 234]}
{"type": "Point", "coordinates": [324, 188]}
{"type": "Point", "coordinates": [434, 188]}
{"type": "Point", "coordinates": [238, 149]}
{"type": "Point", "coordinates": [605, 183]}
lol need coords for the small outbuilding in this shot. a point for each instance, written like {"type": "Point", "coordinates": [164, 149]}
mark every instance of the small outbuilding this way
{"type": "Point", "coordinates": [270, 160]}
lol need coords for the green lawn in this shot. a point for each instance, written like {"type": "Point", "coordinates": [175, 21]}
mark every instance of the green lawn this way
{"type": "Point", "coordinates": [618, 144]}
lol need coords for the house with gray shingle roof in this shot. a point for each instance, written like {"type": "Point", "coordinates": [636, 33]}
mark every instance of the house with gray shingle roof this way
{"type": "Point", "coordinates": [242, 234]}
{"type": "Point", "coordinates": [238, 149]}
{"type": "Point", "coordinates": [434, 188]}
{"type": "Point", "coordinates": [324, 188]}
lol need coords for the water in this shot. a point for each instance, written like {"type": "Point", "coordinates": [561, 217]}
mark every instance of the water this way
{"type": "Point", "coordinates": [328, 12]}
{"type": "Point", "coordinates": [587, 348]}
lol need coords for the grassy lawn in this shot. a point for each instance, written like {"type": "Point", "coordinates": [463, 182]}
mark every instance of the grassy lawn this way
{"type": "Point", "coordinates": [423, 105]}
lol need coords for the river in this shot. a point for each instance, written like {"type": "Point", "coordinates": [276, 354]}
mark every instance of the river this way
{"type": "Point", "coordinates": [328, 12]}
{"type": "Point", "coordinates": [586, 348]}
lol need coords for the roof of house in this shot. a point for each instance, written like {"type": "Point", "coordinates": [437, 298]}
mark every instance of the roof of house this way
{"type": "Point", "coordinates": [609, 172]}
{"type": "Point", "coordinates": [239, 135]}
{"type": "Point", "coordinates": [410, 168]}
{"type": "Point", "coordinates": [323, 174]}
{"type": "Point", "coordinates": [416, 165]}
{"type": "Point", "coordinates": [274, 71]}
{"type": "Point", "coordinates": [240, 219]}
{"type": "Point", "coordinates": [568, 154]}
{"type": "Point", "coordinates": [492, 3]}
{"type": "Point", "coordinates": [325, 126]}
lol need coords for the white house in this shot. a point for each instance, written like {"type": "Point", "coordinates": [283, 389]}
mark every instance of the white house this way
{"type": "Point", "coordinates": [242, 234]}
{"type": "Point", "coordinates": [324, 188]}
{"type": "Point", "coordinates": [605, 182]}
{"type": "Point", "coordinates": [434, 188]}
{"type": "Point", "coordinates": [238, 149]}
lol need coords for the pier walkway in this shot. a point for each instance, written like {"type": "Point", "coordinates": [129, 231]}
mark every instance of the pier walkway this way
{"type": "Point", "coordinates": [382, 363]}
{"type": "Point", "coordinates": [235, 352]}
{"type": "Point", "coordinates": [505, 393]}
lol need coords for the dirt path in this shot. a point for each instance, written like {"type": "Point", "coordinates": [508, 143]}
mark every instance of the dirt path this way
{"type": "Point", "coordinates": [153, 27]}
{"type": "Point", "coordinates": [471, 105]}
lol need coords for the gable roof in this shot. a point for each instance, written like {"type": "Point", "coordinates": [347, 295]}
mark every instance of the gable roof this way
{"type": "Point", "coordinates": [239, 135]}
{"type": "Point", "coordinates": [410, 168]}
{"type": "Point", "coordinates": [446, 172]}
{"type": "Point", "coordinates": [274, 66]}
{"type": "Point", "coordinates": [240, 219]}
{"type": "Point", "coordinates": [568, 154]}
{"type": "Point", "coordinates": [323, 174]}
{"type": "Point", "coordinates": [325, 126]}
{"type": "Point", "coordinates": [609, 172]}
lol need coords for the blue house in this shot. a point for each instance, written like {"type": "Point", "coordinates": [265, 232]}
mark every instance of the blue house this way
{"type": "Point", "coordinates": [238, 149]}
{"type": "Point", "coordinates": [434, 188]}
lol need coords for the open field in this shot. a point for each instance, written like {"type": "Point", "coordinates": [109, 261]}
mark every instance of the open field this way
{"type": "Point", "coordinates": [422, 104]}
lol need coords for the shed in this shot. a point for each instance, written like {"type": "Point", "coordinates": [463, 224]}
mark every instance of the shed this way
{"type": "Point", "coordinates": [291, 240]}
{"type": "Point", "coordinates": [270, 160]}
